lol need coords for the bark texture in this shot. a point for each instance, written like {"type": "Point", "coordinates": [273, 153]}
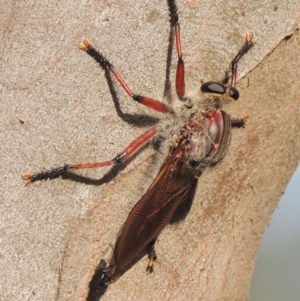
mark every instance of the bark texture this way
{"type": "Point", "coordinates": [55, 233]}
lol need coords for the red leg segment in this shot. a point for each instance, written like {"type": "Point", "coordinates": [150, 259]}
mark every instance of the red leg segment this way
{"type": "Point", "coordinates": [180, 83]}
{"type": "Point", "coordinates": [132, 148]}
{"type": "Point", "coordinates": [105, 64]}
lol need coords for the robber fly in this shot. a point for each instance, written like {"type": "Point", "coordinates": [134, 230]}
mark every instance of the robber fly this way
{"type": "Point", "coordinates": [196, 134]}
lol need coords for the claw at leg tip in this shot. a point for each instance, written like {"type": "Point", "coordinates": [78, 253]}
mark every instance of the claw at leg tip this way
{"type": "Point", "coordinates": [26, 176]}
{"type": "Point", "coordinates": [245, 117]}
{"type": "Point", "coordinates": [249, 37]}
{"type": "Point", "coordinates": [85, 45]}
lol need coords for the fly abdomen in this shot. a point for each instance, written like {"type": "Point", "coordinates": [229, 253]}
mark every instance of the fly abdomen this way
{"type": "Point", "coordinates": [100, 280]}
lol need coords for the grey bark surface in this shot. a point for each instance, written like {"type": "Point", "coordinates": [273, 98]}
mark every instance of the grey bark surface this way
{"type": "Point", "coordinates": [53, 234]}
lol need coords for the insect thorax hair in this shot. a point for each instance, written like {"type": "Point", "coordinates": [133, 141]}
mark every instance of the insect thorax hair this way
{"type": "Point", "coordinates": [172, 127]}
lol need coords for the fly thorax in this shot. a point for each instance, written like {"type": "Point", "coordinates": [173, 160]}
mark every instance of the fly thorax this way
{"type": "Point", "coordinates": [202, 135]}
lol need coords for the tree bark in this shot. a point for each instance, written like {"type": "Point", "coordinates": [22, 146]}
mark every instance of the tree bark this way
{"type": "Point", "coordinates": [58, 231]}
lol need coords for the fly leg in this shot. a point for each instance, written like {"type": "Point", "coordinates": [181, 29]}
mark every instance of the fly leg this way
{"type": "Point", "coordinates": [248, 44]}
{"type": "Point", "coordinates": [234, 64]}
{"type": "Point", "coordinates": [106, 65]}
{"type": "Point", "coordinates": [152, 257]}
{"type": "Point", "coordinates": [239, 122]}
{"type": "Point", "coordinates": [131, 149]}
{"type": "Point", "coordinates": [180, 83]}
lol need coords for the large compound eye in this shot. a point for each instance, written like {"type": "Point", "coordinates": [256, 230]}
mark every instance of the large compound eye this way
{"type": "Point", "coordinates": [213, 87]}
{"type": "Point", "coordinates": [233, 93]}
